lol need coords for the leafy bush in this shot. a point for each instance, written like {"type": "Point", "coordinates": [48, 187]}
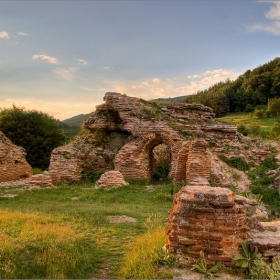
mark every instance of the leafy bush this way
{"type": "Point", "coordinates": [260, 113]}
{"type": "Point", "coordinates": [37, 132]}
{"type": "Point", "coordinates": [236, 162]}
{"type": "Point", "coordinates": [241, 128]}
{"type": "Point", "coordinates": [92, 176]}
{"type": "Point", "coordinates": [275, 131]}
{"type": "Point", "coordinates": [270, 163]}
{"type": "Point", "coordinates": [161, 171]}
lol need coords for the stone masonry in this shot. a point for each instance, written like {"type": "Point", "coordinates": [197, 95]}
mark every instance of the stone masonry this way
{"type": "Point", "coordinates": [206, 222]}
{"type": "Point", "coordinates": [124, 131]}
{"type": "Point", "coordinates": [111, 178]}
{"type": "Point", "coordinates": [13, 165]}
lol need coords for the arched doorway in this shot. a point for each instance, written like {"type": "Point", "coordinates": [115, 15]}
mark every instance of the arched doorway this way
{"type": "Point", "coordinates": [160, 162]}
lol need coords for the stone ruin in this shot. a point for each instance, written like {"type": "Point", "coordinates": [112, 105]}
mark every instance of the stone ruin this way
{"type": "Point", "coordinates": [13, 165]}
{"type": "Point", "coordinates": [111, 178]}
{"type": "Point", "coordinates": [123, 134]}
{"type": "Point", "coordinates": [127, 137]}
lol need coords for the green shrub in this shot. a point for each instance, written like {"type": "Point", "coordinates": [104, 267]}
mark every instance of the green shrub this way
{"type": "Point", "coordinates": [241, 128]}
{"type": "Point", "coordinates": [92, 176]}
{"type": "Point", "coordinates": [270, 163]}
{"type": "Point", "coordinates": [161, 171]}
{"type": "Point", "coordinates": [236, 162]}
{"type": "Point", "coordinates": [260, 113]}
{"type": "Point", "coordinates": [275, 131]}
{"type": "Point", "coordinates": [249, 108]}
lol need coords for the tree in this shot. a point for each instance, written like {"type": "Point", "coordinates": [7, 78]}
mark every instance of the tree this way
{"type": "Point", "coordinates": [274, 107]}
{"type": "Point", "coordinates": [37, 132]}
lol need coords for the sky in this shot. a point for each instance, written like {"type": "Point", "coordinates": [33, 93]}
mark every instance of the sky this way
{"type": "Point", "coordinates": [61, 57]}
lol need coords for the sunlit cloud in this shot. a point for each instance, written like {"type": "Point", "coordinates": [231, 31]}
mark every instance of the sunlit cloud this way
{"type": "Point", "coordinates": [82, 61]}
{"type": "Point", "coordinates": [273, 15]}
{"type": "Point", "coordinates": [172, 87]}
{"type": "Point", "coordinates": [22, 34]}
{"type": "Point", "coordinates": [46, 57]}
{"type": "Point", "coordinates": [4, 35]}
{"type": "Point", "coordinates": [66, 73]}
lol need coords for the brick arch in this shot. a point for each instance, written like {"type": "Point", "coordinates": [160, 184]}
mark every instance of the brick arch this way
{"type": "Point", "coordinates": [134, 159]}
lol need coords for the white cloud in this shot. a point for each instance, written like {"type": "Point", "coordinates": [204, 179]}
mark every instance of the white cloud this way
{"type": "Point", "coordinates": [22, 34]}
{"type": "Point", "coordinates": [172, 87]}
{"type": "Point", "coordinates": [66, 73]}
{"type": "Point", "coordinates": [156, 80]}
{"type": "Point", "coordinates": [46, 57]}
{"type": "Point", "coordinates": [82, 61]}
{"type": "Point", "coordinates": [107, 67]}
{"type": "Point", "coordinates": [4, 35]}
{"type": "Point", "coordinates": [273, 15]}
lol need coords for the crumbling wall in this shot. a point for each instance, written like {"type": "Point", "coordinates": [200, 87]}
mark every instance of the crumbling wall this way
{"type": "Point", "coordinates": [140, 126]}
{"type": "Point", "coordinates": [13, 165]}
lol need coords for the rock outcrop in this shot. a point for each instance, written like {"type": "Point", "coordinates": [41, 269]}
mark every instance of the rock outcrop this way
{"type": "Point", "coordinates": [13, 165]}
{"type": "Point", "coordinates": [124, 132]}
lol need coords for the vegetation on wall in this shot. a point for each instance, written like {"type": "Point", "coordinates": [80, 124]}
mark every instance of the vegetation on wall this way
{"type": "Point", "coordinates": [37, 132]}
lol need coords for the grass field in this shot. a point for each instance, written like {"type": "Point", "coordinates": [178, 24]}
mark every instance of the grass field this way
{"type": "Point", "coordinates": [41, 228]}
{"type": "Point", "coordinates": [252, 126]}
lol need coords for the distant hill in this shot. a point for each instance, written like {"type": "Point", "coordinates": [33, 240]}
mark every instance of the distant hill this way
{"type": "Point", "coordinates": [72, 126]}
{"type": "Point", "coordinates": [76, 121]}
{"type": "Point", "coordinates": [171, 99]}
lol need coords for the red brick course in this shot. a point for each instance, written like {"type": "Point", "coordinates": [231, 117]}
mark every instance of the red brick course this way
{"type": "Point", "coordinates": [209, 222]}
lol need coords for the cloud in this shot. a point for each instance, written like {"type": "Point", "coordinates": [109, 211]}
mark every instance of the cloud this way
{"type": "Point", "coordinates": [66, 73]}
{"type": "Point", "coordinates": [82, 61]}
{"type": "Point", "coordinates": [172, 87]}
{"type": "Point", "coordinates": [273, 15]}
{"type": "Point", "coordinates": [4, 35]}
{"type": "Point", "coordinates": [107, 67]}
{"type": "Point", "coordinates": [22, 34]}
{"type": "Point", "coordinates": [46, 57]}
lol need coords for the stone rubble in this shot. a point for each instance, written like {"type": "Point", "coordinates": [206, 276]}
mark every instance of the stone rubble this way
{"type": "Point", "coordinates": [112, 178]}
{"type": "Point", "coordinates": [39, 181]}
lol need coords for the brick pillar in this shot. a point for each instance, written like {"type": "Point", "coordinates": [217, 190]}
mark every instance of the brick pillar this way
{"type": "Point", "coordinates": [208, 222]}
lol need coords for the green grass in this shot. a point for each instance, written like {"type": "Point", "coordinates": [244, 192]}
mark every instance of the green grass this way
{"type": "Point", "coordinates": [252, 126]}
{"type": "Point", "coordinates": [98, 244]}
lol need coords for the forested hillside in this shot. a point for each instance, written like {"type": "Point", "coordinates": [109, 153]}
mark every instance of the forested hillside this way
{"type": "Point", "coordinates": [255, 87]}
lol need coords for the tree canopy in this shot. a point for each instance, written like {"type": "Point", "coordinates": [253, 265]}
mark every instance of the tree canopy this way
{"type": "Point", "coordinates": [37, 132]}
{"type": "Point", "coordinates": [255, 87]}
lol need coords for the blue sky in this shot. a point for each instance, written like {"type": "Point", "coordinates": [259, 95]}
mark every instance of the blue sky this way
{"type": "Point", "coordinates": [61, 57]}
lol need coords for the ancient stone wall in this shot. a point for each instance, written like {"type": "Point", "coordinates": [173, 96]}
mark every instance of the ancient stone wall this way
{"type": "Point", "coordinates": [13, 165]}
{"type": "Point", "coordinates": [138, 133]}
